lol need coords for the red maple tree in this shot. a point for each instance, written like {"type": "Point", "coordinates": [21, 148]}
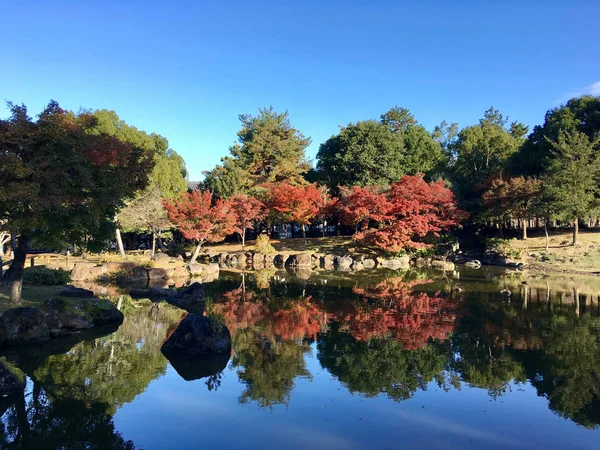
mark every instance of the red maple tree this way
{"type": "Point", "coordinates": [404, 214]}
{"type": "Point", "coordinates": [198, 219]}
{"type": "Point", "coordinates": [246, 210]}
{"type": "Point", "coordinates": [299, 204]}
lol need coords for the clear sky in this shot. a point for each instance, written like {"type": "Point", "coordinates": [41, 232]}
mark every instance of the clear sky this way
{"type": "Point", "coordinates": [187, 69]}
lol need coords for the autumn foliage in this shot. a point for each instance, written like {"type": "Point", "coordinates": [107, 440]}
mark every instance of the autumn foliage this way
{"type": "Point", "coordinates": [246, 210]}
{"type": "Point", "coordinates": [400, 217]}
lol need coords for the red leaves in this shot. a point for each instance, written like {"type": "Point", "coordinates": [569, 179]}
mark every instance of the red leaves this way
{"type": "Point", "coordinates": [298, 204]}
{"type": "Point", "coordinates": [405, 213]}
{"type": "Point", "coordinates": [246, 209]}
{"type": "Point", "coordinates": [198, 219]}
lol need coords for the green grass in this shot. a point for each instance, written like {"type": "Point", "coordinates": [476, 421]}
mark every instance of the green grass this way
{"type": "Point", "coordinates": [30, 296]}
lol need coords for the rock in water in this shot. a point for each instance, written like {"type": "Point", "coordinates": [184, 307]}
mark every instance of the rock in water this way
{"type": "Point", "coordinates": [72, 291]}
{"type": "Point", "coordinates": [198, 367]}
{"type": "Point", "coordinates": [12, 380]}
{"type": "Point", "coordinates": [23, 325]}
{"type": "Point", "coordinates": [198, 335]}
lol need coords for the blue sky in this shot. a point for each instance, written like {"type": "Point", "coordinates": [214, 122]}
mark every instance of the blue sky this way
{"type": "Point", "coordinates": [186, 70]}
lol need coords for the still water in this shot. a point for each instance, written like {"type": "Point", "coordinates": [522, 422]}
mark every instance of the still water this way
{"type": "Point", "coordinates": [396, 359]}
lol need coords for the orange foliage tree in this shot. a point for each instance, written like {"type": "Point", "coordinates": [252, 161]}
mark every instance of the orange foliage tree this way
{"type": "Point", "coordinates": [198, 219]}
{"type": "Point", "coordinates": [299, 204]}
{"type": "Point", "coordinates": [246, 210]}
{"type": "Point", "coordinates": [404, 214]}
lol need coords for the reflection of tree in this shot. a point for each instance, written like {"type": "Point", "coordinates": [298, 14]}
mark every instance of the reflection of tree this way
{"type": "Point", "coordinates": [268, 365]}
{"type": "Point", "coordinates": [114, 369]}
{"type": "Point", "coordinates": [380, 365]}
{"type": "Point", "coordinates": [36, 422]}
{"type": "Point", "coordinates": [410, 317]}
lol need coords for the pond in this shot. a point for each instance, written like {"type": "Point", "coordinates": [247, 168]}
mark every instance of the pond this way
{"type": "Point", "coordinates": [470, 359]}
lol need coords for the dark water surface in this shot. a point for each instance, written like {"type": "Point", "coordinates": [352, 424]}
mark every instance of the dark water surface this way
{"type": "Point", "coordinates": [398, 359]}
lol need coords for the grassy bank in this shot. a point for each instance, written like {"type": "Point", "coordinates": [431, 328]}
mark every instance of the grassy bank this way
{"type": "Point", "coordinates": [31, 295]}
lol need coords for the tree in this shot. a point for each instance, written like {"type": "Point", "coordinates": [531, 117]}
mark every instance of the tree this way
{"type": "Point", "coordinates": [359, 205]}
{"type": "Point", "coordinates": [365, 153]}
{"type": "Point", "coordinates": [578, 114]}
{"type": "Point", "coordinates": [168, 174]}
{"type": "Point", "coordinates": [573, 176]}
{"type": "Point", "coordinates": [146, 212]}
{"type": "Point", "coordinates": [4, 237]}
{"type": "Point", "coordinates": [299, 204]}
{"type": "Point", "coordinates": [414, 209]}
{"type": "Point", "coordinates": [227, 179]}
{"type": "Point", "coordinates": [61, 183]}
{"type": "Point", "coordinates": [482, 151]}
{"type": "Point", "coordinates": [511, 198]}
{"type": "Point", "coordinates": [246, 210]}
{"type": "Point", "coordinates": [445, 135]}
{"type": "Point", "coordinates": [198, 219]}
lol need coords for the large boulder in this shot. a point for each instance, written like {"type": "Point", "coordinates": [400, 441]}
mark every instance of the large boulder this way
{"type": "Point", "coordinates": [400, 262]}
{"type": "Point", "coordinates": [207, 272]}
{"type": "Point", "coordinates": [327, 261]}
{"type": "Point", "coordinates": [81, 271]}
{"type": "Point", "coordinates": [192, 294]}
{"type": "Point", "coordinates": [72, 291]}
{"type": "Point", "coordinates": [368, 263]}
{"type": "Point", "coordinates": [161, 258]}
{"type": "Point", "coordinates": [281, 258]}
{"type": "Point", "coordinates": [343, 263]}
{"type": "Point", "coordinates": [299, 260]}
{"type": "Point", "coordinates": [198, 335]}
{"type": "Point", "coordinates": [23, 326]}
{"type": "Point", "coordinates": [65, 315]}
{"type": "Point", "coordinates": [442, 265]}
{"type": "Point", "coordinates": [12, 380]}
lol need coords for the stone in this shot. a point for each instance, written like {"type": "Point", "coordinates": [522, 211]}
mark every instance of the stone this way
{"type": "Point", "coordinates": [139, 273]}
{"type": "Point", "coordinates": [357, 265]}
{"type": "Point", "coordinates": [204, 271]}
{"type": "Point", "coordinates": [368, 263]}
{"type": "Point", "coordinates": [400, 262]}
{"type": "Point", "coordinates": [301, 273]}
{"type": "Point", "coordinates": [423, 262]}
{"type": "Point", "coordinates": [442, 265]}
{"type": "Point", "coordinates": [198, 335]}
{"type": "Point", "coordinates": [161, 258]}
{"type": "Point", "coordinates": [72, 291]}
{"type": "Point", "coordinates": [299, 260]}
{"type": "Point", "coordinates": [23, 325]}
{"type": "Point", "coordinates": [473, 264]}
{"type": "Point", "coordinates": [192, 294]}
{"type": "Point", "coordinates": [65, 316]}
{"type": "Point", "coordinates": [281, 259]}
{"type": "Point", "coordinates": [81, 271]}
{"type": "Point", "coordinates": [97, 272]}
{"type": "Point", "coordinates": [202, 366]}
{"type": "Point", "coordinates": [159, 274]}
{"type": "Point", "coordinates": [343, 262]}
{"type": "Point", "coordinates": [12, 380]}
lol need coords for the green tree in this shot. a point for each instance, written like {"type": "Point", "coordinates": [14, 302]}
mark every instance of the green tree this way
{"type": "Point", "coordinates": [62, 184]}
{"type": "Point", "coordinates": [227, 179]}
{"type": "Point", "coordinates": [365, 153]}
{"type": "Point", "coordinates": [483, 150]}
{"type": "Point", "coordinates": [573, 175]}
{"type": "Point", "coordinates": [578, 114]}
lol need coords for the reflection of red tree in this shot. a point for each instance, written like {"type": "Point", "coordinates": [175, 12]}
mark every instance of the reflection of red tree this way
{"type": "Point", "coordinates": [303, 320]}
{"type": "Point", "coordinates": [410, 317]}
{"type": "Point", "coordinates": [390, 309]}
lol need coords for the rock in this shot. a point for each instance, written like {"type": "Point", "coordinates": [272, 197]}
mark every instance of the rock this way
{"type": "Point", "coordinates": [81, 271]}
{"type": "Point", "coordinates": [161, 258]}
{"type": "Point", "coordinates": [198, 335]}
{"type": "Point", "coordinates": [65, 317]}
{"type": "Point", "coordinates": [368, 263]}
{"type": "Point", "coordinates": [72, 291]}
{"type": "Point", "coordinates": [160, 274]}
{"type": "Point", "coordinates": [442, 265]}
{"type": "Point", "coordinates": [204, 271]}
{"type": "Point", "coordinates": [139, 273]}
{"type": "Point", "coordinates": [23, 325]}
{"type": "Point", "coordinates": [192, 294]}
{"type": "Point", "coordinates": [423, 262]}
{"type": "Point", "coordinates": [357, 265]}
{"type": "Point", "coordinates": [199, 367]}
{"type": "Point", "coordinates": [473, 264]}
{"type": "Point", "coordinates": [12, 380]}
{"type": "Point", "coordinates": [299, 260]}
{"type": "Point", "coordinates": [301, 273]}
{"type": "Point", "coordinates": [343, 262]}
{"type": "Point", "coordinates": [327, 262]}
{"type": "Point", "coordinates": [281, 259]}
{"type": "Point", "coordinates": [99, 310]}
{"type": "Point", "coordinates": [97, 272]}
{"type": "Point", "coordinates": [400, 262]}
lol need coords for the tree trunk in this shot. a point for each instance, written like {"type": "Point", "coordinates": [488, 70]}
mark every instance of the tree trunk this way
{"type": "Point", "coordinates": [120, 242]}
{"type": "Point", "coordinates": [524, 226]}
{"type": "Point", "coordinates": [243, 235]}
{"type": "Point", "coordinates": [547, 237]}
{"type": "Point", "coordinates": [576, 232]}
{"type": "Point", "coordinates": [160, 242]}
{"type": "Point", "coordinates": [16, 269]}
{"type": "Point", "coordinates": [153, 244]}
{"type": "Point", "coordinates": [196, 253]}
{"type": "Point", "coordinates": [304, 233]}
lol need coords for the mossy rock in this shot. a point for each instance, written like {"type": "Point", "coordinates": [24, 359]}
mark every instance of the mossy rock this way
{"type": "Point", "coordinates": [12, 379]}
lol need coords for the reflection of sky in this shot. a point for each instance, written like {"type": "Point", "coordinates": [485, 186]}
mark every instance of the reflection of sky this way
{"type": "Point", "coordinates": [173, 413]}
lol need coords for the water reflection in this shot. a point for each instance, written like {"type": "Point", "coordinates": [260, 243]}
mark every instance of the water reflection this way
{"type": "Point", "coordinates": [390, 336]}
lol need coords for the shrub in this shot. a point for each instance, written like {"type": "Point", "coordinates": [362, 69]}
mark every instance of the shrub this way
{"type": "Point", "coordinates": [504, 248]}
{"type": "Point", "coordinates": [46, 277]}
{"type": "Point", "coordinates": [263, 246]}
